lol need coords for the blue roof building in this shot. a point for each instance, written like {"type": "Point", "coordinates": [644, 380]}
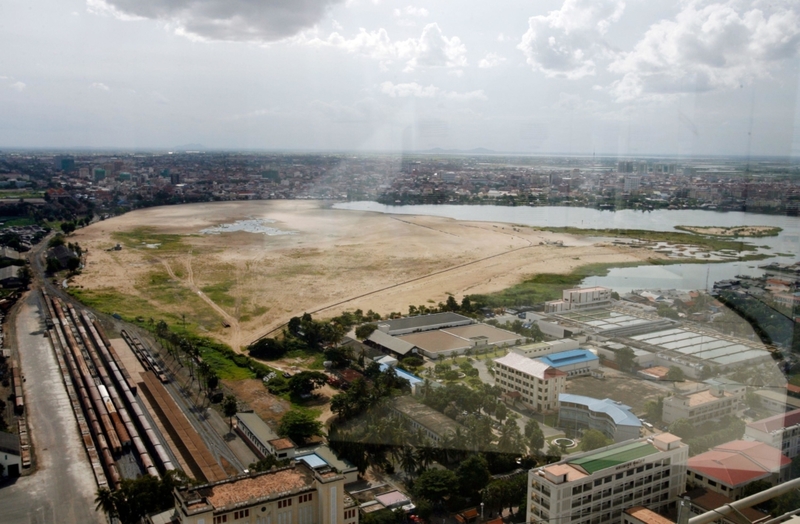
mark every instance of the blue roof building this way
{"type": "Point", "coordinates": [574, 362]}
{"type": "Point", "coordinates": [614, 419]}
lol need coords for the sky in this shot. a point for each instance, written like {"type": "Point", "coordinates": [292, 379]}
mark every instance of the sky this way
{"type": "Point", "coordinates": [635, 77]}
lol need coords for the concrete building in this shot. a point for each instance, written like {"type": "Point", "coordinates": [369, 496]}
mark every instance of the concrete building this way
{"type": "Point", "coordinates": [596, 487]}
{"type": "Point", "coordinates": [610, 417]}
{"type": "Point", "coordinates": [433, 424]}
{"type": "Point", "coordinates": [292, 495]}
{"type": "Point", "coordinates": [700, 406]}
{"type": "Point", "coordinates": [402, 326]}
{"type": "Point", "coordinates": [534, 384]}
{"type": "Point", "coordinates": [261, 439]}
{"type": "Point", "coordinates": [322, 457]}
{"type": "Point", "coordinates": [574, 363]}
{"type": "Point", "coordinates": [10, 455]}
{"type": "Point", "coordinates": [779, 431]}
{"type": "Point", "coordinates": [580, 298]}
{"type": "Point", "coordinates": [729, 468]}
{"type": "Point", "coordinates": [777, 401]}
{"type": "Point", "coordinates": [541, 349]}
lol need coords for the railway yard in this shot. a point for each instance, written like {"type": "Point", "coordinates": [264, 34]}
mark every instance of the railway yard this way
{"type": "Point", "coordinates": [122, 412]}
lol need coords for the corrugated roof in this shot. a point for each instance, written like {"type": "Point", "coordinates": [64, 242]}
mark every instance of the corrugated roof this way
{"type": "Point", "coordinates": [391, 343]}
{"type": "Point", "coordinates": [619, 413]}
{"type": "Point", "coordinates": [423, 321]}
{"type": "Point", "coordinates": [614, 457]}
{"type": "Point", "coordinates": [738, 462]}
{"type": "Point", "coordinates": [257, 426]}
{"type": "Point", "coordinates": [568, 358]}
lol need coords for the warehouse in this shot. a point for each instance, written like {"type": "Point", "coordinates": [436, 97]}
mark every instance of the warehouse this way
{"type": "Point", "coordinates": [457, 340]}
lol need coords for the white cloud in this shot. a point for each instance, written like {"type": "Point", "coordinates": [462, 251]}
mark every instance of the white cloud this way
{"type": "Point", "coordinates": [413, 89]}
{"type": "Point", "coordinates": [431, 49]}
{"type": "Point", "coordinates": [99, 85]}
{"type": "Point", "coordinates": [419, 12]}
{"type": "Point", "coordinates": [222, 20]}
{"type": "Point", "coordinates": [706, 47]}
{"type": "Point", "coordinates": [410, 89]}
{"type": "Point", "coordinates": [491, 60]}
{"type": "Point", "coordinates": [565, 43]}
{"type": "Point", "coordinates": [18, 86]}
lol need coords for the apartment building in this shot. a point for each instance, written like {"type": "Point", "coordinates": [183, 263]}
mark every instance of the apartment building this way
{"type": "Point", "coordinates": [532, 383]}
{"type": "Point", "coordinates": [292, 495]}
{"type": "Point", "coordinates": [707, 404]}
{"type": "Point", "coordinates": [779, 431]}
{"type": "Point", "coordinates": [596, 487]}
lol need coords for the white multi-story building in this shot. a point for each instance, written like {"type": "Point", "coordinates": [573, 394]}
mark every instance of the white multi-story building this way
{"type": "Point", "coordinates": [779, 431]}
{"type": "Point", "coordinates": [541, 349]}
{"type": "Point", "coordinates": [532, 383]}
{"type": "Point", "coordinates": [596, 487]}
{"type": "Point", "coordinates": [700, 406]}
{"type": "Point", "coordinates": [579, 298]}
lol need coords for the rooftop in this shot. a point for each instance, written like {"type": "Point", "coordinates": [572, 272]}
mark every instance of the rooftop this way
{"type": "Point", "coordinates": [595, 462]}
{"type": "Point", "coordinates": [9, 443]}
{"type": "Point", "coordinates": [423, 321]}
{"type": "Point", "coordinates": [436, 341]}
{"type": "Point", "coordinates": [257, 426]}
{"type": "Point", "coordinates": [424, 415]}
{"type": "Point", "coordinates": [647, 516]}
{"type": "Point", "coordinates": [777, 422]}
{"type": "Point", "coordinates": [525, 365]}
{"type": "Point", "coordinates": [568, 358]}
{"type": "Point", "coordinates": [738, 462]}
{"type": "Point", "coordinates": [619, 413]}
{"type": "Point", "coordinates": [395, 344]}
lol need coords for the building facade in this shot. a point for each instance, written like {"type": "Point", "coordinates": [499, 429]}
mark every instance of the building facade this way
{"type": "Point", "coordinates": [579, 298]}
{"type": "Point", "coordinates": [615, 420]}
{"type": "Point", "coordinates": [534, 384]}
{"type": "Point", "coordinates": [700, 406]}
{"type": "Point", "coordinates": [290, 495]}
{"type": "Point", "coordinates": [574, 363]}
{"type": "Point", "coordinates": [596, 487]}
{"type": "Point", "coordinates": [261, 439]}
{"type": "Point", "coordinates": [779, 431]}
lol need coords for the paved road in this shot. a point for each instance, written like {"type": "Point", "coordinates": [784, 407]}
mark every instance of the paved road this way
{"type": "Point", "coordinates": [63, 488]}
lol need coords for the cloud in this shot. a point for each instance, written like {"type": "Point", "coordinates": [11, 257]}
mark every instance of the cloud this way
{"type": "Point", "coordinates": [222, 20]}
{"type": "Point", "coordinates": [491, 60]}
{"type": "Point", "coordinates": [419, 12]}
{"type": "Point", "coordinates": [432, 49]}
{"type": "Point", "coordinates": [18, 86]}
{"type": "Point", "coordinates": [706, 47]}
{"type": "Point", "coordinates": [413, 89]}
{"type": "Point", "coordinates": [99, 85]}
{"type": "Point", "coordinates": [565, 43]}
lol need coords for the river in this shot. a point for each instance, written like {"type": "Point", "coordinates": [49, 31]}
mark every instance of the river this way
{"type": "Point", "coordinates": [677, 276]}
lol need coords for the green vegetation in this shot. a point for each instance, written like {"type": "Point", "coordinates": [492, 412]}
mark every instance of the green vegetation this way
{"type": "Point", "coordinates": [729, 232]}
{"type": "Point", "coordinates": [139, 497]}
{"type": "Point", "coordinates": [218, 293]}
{"type": "Point", "coordinates": [300, 425]}
{"type": "Point", "coordinates": [594, 439]}
{"type": "Point", "coordinates": [702, 437]}
{"type": "Point", "coordinates": [142, 236]}
{"type": "Point", "coordinates": [712, 243]}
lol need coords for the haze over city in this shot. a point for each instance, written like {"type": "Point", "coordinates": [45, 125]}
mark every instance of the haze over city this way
{"type": "Point", "coordinates": [572, 77]}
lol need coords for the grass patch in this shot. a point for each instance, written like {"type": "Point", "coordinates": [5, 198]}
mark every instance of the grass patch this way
{"type": "Point", "coordinates": [226, 368]}
{"type": "Point", "coordinates": [139, 237]}
{"type": "Point", "coordinates": [219, 293]}
{"type": "Point", "coordinates": [784, 254]}
{"type": "Point", "coordinates": [110, 301]}
{"type": "Point", "coordinates": [712, 243]}
{"type": "Point", "coordinates": [17, 221]}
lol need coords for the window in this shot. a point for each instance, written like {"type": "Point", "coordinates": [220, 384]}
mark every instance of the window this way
{"type": "Point", "coordinates": [304, 498]}
{"type": "Point", "coordinates": [241, 514]}
{"type": "Point", "coordinates": [220, 519]}
{"type": "Point", "coordinates": [285, 503]}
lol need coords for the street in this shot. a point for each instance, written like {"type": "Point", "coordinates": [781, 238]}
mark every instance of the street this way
{"type": "Point", "coordinates": [63, 489]}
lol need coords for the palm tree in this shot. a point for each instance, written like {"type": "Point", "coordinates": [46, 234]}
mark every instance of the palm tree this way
{"type": "Point", "coordinates": [106, 502]}
{"type": "Point", "coordinates": [426, 454]}
{"type": "Point", "coordinates": [408, 460]}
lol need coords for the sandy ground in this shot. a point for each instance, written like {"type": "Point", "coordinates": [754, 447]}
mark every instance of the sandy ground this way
{"type": "Point", "coordinates": [335, 260]}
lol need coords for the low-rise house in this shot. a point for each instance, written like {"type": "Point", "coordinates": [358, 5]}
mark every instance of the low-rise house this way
{"type": "Point", "coordinates": [729, 468]}
{"type": "Point", "coordinates": [434, 425]}
{"type": "Point", "coordinates": [262, 439]}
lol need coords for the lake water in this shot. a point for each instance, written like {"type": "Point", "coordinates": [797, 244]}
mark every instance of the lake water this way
{"type": "Point", "coordinates": [678, 276]}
